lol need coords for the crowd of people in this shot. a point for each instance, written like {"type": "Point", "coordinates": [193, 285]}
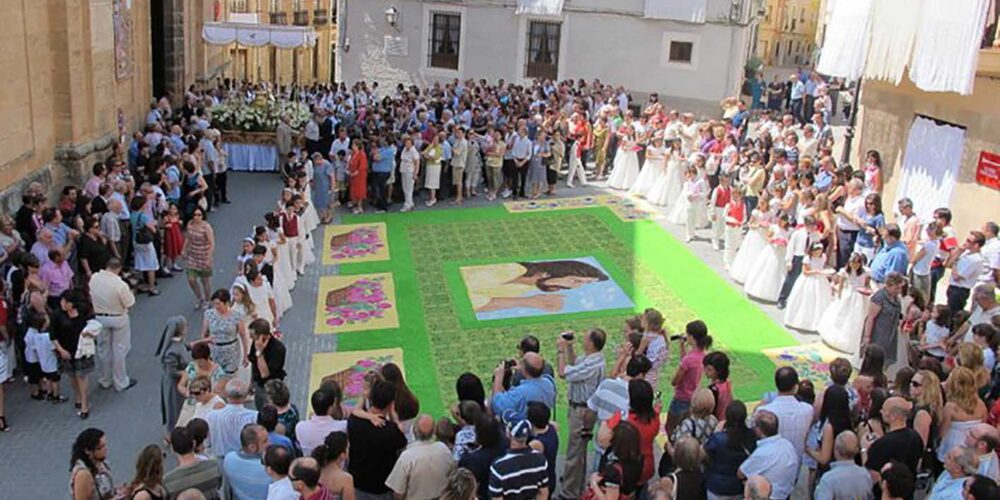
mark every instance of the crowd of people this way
{"type": "Point", "coordinates": [794, 227]}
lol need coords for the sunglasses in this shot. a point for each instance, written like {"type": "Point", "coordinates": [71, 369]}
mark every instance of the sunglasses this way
{"type": "Point", "coordinates": [197, 393]}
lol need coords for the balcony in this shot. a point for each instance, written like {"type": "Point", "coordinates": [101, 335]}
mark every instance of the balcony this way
{"type": "Point", "coordinates": [301, 18]}
{"type": "Point", "coordinates": [279, 18]}
{"type": "Point", "coordinates": [321, 16]}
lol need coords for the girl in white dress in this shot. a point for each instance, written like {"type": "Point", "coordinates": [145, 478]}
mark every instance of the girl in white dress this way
{"type": "Point", "coordinates": [310, 218]}
{"type": "Point", "coordinates": [754, 243]}
{"type": "Point", "coordinates": [811, 293]}
{"type": "Point", "coordinates": [843, 321]}
{"type": "Point", "coordinates": [768, 273]}
{"type": "Point", "coordinates": [667, 188]}
{"type": "Point", "coordinates": [626, 167]}
{"type": "Point", "coordinates": [281, 270]}
{"type": "Point", "coordinates": [651, 170]}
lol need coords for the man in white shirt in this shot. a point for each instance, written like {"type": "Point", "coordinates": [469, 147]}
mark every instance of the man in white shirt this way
{"type": "Point", "coordinates": [991, 254]}
{"type": "Point", "coordinates": [965, 271]}
{"type": "Point", "coordinates": [112, 299]}
{"type": "Point", "coordinates": [226, 424]}
{"type": "Point", "coordinates": [277, 461]}
{"type": "Point", "coordinates": [311, 433]}
{"type": "Point", "coordinates": [459, 151]}
{"type": "Point", "coordinates": [794, 416]}
{"type": "Point", "coordinates": [521, 152]}
{"type": "Point", "coordinates": [774, 458]}
{"type": "Point", "coordinates": [984, 309]}
{"type": "Point", "coordinates": [847, 229]}
{"type": "Point", "coordinates": [341, 143]}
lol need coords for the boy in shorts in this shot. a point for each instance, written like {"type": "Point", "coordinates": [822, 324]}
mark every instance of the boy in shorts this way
{"type": "Point", "coordinates": [340, 173]}
{"type": "Point", "coordinates": [40, 355]}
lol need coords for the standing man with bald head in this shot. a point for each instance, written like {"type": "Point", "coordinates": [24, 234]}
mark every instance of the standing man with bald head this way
{"type": "Point", "coordinates": [421, 472]}
{"type": "Point", "coordinates": [845, 479]}
{"type": "Point", "coordinates": [899, 442]}
{"type": "Point", "coordinates": [512, 405]}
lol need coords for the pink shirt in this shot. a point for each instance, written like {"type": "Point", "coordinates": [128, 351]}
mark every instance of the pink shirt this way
{"type": "Point", "coordinates": [58, 277]}
{"type": "Point", "coordinates": [692, 367]}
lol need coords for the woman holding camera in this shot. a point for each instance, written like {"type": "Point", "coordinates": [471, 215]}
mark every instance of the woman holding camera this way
{"type": "Point", "coordinates": [693, 346]}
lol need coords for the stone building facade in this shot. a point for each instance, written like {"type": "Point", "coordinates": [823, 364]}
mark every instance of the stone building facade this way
{"type": "Point", "coordinates": [79, 74]}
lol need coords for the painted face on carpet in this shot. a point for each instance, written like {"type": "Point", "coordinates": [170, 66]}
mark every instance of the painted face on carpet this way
{"type": "Point", "coordinates": [536, 288]}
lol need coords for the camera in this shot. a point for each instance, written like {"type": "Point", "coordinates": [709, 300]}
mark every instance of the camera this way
{"type": "Point", "coordinates": [509, 364]}
{"type": "Point", "coordinates": [676, 337]}
{"type": "Point", "coordinates": [568, 336]}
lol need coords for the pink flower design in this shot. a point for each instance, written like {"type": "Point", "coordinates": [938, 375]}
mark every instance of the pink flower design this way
{"type": "Point", "coordinates": [365, 300]}
{"type": "Point", "coordinates": [361, 242]}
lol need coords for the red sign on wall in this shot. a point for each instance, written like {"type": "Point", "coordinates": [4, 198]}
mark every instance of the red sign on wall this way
{"type": "Point", "coordinates": [988, 170]}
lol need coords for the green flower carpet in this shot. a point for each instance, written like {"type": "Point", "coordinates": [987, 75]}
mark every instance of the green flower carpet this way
{"type": "Point", "coordinates": [440, 336]}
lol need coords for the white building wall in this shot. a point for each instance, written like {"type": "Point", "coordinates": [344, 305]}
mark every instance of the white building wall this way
{"type": "Point", "coordinates": [599, 39]}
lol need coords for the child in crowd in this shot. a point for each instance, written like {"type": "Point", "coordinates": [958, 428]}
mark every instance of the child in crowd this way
{"type": "Point", "coordinates": [920, 265]}
{"type": "Point", "coordinates": [40, 354]}
{"type": "Point", "coordinates": [721, 197]}
{"type": "Point", "coordinates": [654, 345]}
{"type": "Point", "coordinates": [764, 281]}
{"type": "Point", "coordinates": [936, 333]}
{"type": "Point", "coordinates": [693, 195]}
{"type": "Point", "coordinates": [736, 216]}
{"type": "Point", "coordinates": [811, 294]}
{"type": "Point", "coordinates": [985, 337]}
{"type": "Point", "coordinates": [545, 434]}
{"type": "Point", "coordinates": [173, 238]}
{"type": "Point", "coordinates": [466, 413]}
{"type": "Point", "coordinates": [717, 372]}
{"type": "Point", "coordinates": [340, 173]}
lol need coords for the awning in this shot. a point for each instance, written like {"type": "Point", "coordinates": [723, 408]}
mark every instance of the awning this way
{"type": "Point", "coordinates": [257, 35]}
{"type": "Point", "coordinates": [691, 11]}
{"type": "Point", "coordinates": [539, 7]}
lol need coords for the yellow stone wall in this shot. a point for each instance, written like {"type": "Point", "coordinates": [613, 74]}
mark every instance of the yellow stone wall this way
{"type": "Point", "coordinates": [784, 22]}
{"type": "Point", "coordinates": [59, 95]}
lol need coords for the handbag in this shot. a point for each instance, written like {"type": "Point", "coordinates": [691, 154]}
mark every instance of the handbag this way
{"type": "Point", "coordinates": [144, 235]}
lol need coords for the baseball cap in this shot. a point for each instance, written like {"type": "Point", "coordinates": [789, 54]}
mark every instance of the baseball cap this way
{"type": "Point", "coordinates": [521, 430]}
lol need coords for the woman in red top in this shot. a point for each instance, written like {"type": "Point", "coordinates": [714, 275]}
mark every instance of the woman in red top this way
{"type": "Point", "coordinates": [357, 169]}
{"type": "Point", "coordinates": [644, 416]}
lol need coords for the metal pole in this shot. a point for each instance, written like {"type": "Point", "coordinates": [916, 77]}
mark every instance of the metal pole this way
{"type": "Point", "coordinates": [845, 156]}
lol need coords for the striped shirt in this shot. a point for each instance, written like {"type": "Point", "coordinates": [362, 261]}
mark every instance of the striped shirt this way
{"type": "Point", "coordinates": [584, 376]}
{"type": "Point", "coordinates": [518, 475]}
{"type": "Point", "coordinates": [225, 425]}
{"type": "Point", "coordinates": [610, 397]}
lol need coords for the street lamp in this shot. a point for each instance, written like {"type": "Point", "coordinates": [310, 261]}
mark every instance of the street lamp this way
{"type": "Point", "coordinates": [392, 16]}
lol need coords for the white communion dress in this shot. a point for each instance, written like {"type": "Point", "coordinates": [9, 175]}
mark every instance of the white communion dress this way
{"type": "Point", "coordinates": [751, 248]}
{"type": "Point", "coordinates": [667, 188]}
{"type": "Point", "coordinates": [626, 167]}
{"type": "Point", "coordinates": [810, 296]}
{"type": "Point", "coordinates": [768, 274]}
{"type": "Point", "coordinates": [649, 173]}
{"type": "Point", "coordinates": [843, 321]}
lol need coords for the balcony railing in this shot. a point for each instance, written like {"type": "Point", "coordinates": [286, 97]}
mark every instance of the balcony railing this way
{"type": "Point", "coordinates": [321, 17]}
{"type": "Point", "coordinates": [279, 18]}
{"type": "Point", "coordinates": [302, 18]}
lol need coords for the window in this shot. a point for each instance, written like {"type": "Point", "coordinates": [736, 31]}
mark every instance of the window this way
{"type": "Point", "coordinates": [444, 40]}
{"type": "Point", "coordinates": [680, 52]}
{"type": "Point", "coordinates": [238, 6]}
{"type": "Point", "coordinates": [542, 59]}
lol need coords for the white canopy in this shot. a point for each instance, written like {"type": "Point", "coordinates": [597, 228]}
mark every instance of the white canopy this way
{"type": "Point", "coordinates": [257, 35]}
{"type": "Point", "coordinates": [691, 11]}
{"type": "Point", "coordinates": [539, 7]}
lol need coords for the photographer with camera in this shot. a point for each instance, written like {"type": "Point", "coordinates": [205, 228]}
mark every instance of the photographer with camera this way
{"type": "Point", "coordinates": [529, 343]}
{"type": "Point", "coordinates": [512, 404]}
{"type": "Point", "coordinates": [582, 375]}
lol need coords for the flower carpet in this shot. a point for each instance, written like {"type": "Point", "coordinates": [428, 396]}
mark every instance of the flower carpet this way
{"type": "Point", "coordinates": [417, 303]}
